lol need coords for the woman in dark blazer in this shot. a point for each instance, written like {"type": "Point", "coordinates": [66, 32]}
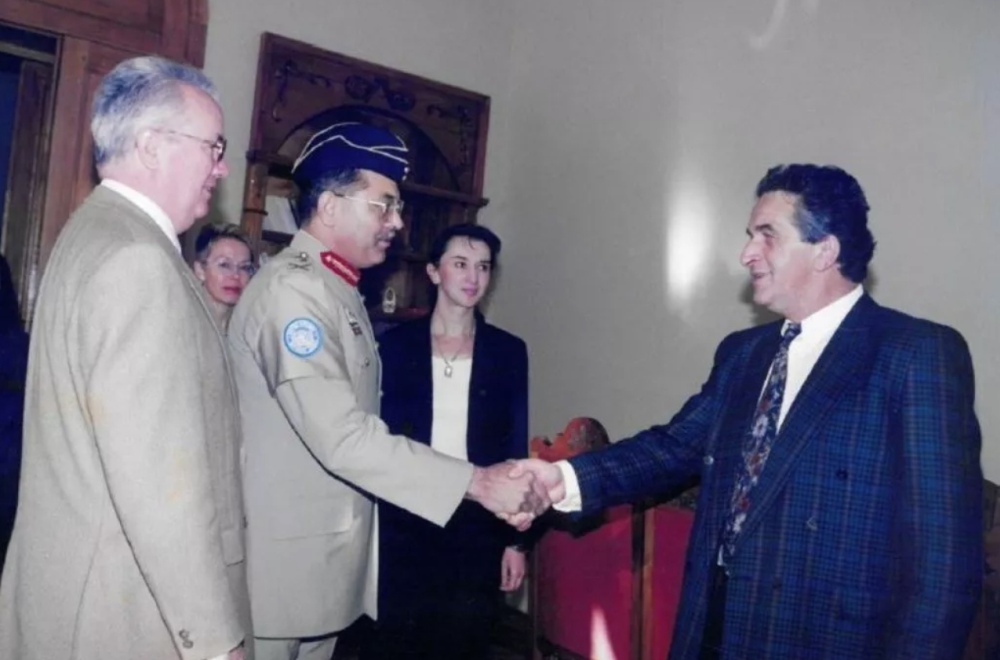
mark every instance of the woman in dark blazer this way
{"type": "Point", "coordinates": [456, 382]}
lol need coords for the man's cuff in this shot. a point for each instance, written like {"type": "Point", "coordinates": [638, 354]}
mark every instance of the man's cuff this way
{"type": "Point", "coordinates": [573, 501]}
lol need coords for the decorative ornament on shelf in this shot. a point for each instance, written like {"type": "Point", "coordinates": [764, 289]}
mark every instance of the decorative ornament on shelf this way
{"type": "Point", "coordinates": [389, 300]}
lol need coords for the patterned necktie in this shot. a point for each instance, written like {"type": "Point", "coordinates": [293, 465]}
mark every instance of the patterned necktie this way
{"type": "Point", "coordinates": [757, 445]}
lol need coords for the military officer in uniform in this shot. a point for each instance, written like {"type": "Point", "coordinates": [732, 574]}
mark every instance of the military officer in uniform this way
{"type": "Point", "coordinates": [308, 372]}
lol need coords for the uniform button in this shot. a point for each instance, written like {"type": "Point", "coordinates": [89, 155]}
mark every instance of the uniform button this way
{"type": "Point", "coordinates": [367, 361]}
{"type": "Point", "coordinates": [709, 460]}
{"type": "Point", "coordinates": [187, 643]}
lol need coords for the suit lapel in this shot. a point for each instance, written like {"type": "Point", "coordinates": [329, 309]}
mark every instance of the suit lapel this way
{"type": "Point", "coordinates": [479, 385]}
{"type": "Point", "coordinates": [839, 369]}
{"type": "Point", "coordinates": [156, 235]}
{"type": "Point", "coordinates": [422, 373]}
{"type": "Point", "coordinates": [199, 293]}
{"type": "Point", "coordinates": [410, 371]}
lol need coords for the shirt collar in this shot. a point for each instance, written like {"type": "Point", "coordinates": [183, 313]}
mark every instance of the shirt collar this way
{"type": "Point", "coordinates": [826, 320]}
{"type": "Point", "coordinates": [147, 206]}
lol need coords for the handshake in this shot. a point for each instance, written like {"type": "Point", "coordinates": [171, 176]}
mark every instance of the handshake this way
{"type": "Point", "coordinates": [518, 491]}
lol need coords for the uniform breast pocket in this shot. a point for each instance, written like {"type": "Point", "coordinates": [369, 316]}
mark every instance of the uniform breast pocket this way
{"type": "Point", "coordinates": [364, 375]}
{"type": "Point", "coordinates": [358, 353]}
{"type": "Point", "coordinates": [315, 519]}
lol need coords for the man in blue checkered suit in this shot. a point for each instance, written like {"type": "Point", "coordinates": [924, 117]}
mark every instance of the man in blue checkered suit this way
{"type": "Point", "coordinates": [861, 536]}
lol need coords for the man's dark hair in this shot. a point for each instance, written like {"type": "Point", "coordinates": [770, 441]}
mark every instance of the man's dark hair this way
{"type": "Point", "coordinates": [336, 181]}
{"type": "Point", "coordinates": [830, 202]}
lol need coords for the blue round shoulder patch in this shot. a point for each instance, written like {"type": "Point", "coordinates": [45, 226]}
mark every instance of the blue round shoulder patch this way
{"type": "Point", "coordinates": [302, 337]}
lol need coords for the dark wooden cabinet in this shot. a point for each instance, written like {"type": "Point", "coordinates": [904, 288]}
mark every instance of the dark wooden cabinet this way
{"type": "Point", "coordinates": [301, 88]}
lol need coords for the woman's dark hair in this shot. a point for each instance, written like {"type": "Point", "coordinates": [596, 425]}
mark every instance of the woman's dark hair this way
{"type": "Point", "coordinates": [471, 232]}
{"type": "Point", "coordinates": [340, 181]}
{"type": "Point", "coordinates": [214, 232]}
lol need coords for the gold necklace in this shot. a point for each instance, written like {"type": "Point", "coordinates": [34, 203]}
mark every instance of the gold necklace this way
{"type": "Point", "coordinates": [447, 363]}
{"type": "Point", "coordinates": [448, 369]}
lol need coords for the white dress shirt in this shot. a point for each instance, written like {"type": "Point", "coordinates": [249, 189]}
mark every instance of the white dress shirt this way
{"type": "Point", "coordinates": [148, 206]}
{"type": "Point", "coordinates": [803, 353]}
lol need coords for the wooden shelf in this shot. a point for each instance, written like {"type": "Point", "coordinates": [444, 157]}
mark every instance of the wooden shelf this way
{"type": "Point", "coordinates": [407, 255]}
{"type": "Point", "coordinates": [399, 316]}
{"type": "Point", "coordinates": [278, 237]}
{"type": "Point", "coordinates": [447, 195]}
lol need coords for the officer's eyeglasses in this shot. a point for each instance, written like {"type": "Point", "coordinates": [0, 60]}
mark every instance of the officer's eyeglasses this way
{"type": "Point", "coordinates": [218, 145]}
{"type": "Point", "coordinates": [386, 208]}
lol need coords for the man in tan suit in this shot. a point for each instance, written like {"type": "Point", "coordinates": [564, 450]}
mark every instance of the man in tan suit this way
{"type": "Point", "coordinates": [309, 376]}
{"type": "Point", "coordinates": [128, 542]}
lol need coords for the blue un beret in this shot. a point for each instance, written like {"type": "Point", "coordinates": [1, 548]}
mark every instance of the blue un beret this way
{"type": "Point", "coordinates": [351, 145]}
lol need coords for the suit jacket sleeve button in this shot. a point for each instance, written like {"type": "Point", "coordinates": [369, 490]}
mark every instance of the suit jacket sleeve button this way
{"type": "Point", "coordinates": [709, 460]}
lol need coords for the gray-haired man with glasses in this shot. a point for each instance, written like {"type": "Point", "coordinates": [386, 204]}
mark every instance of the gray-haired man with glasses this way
{"type": "Point", "coordinates": [129, 535]}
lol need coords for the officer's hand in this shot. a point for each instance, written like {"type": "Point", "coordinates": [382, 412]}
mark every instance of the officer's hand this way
{"type": "Point", "coordinates": [516, 499]}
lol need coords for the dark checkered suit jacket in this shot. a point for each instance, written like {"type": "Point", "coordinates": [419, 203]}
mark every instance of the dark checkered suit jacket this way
{"type": "Point", "coordinates": [864, 537]}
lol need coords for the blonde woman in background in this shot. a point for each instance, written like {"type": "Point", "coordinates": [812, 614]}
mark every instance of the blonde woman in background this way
{"type": "Point", "coordinates": [223, 264]}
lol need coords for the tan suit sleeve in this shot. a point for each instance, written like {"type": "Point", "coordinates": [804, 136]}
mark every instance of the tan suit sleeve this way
{"type": "Point", "coordinates": [318, 397]}
{"type": "Point", "coordinates": [139, 350]}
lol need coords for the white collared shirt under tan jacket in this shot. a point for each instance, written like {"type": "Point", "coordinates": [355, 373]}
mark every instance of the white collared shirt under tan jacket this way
{"type": "Point", "coordinates": [317, 453]}
{"type": "Point", "coordinates": [128, 542]}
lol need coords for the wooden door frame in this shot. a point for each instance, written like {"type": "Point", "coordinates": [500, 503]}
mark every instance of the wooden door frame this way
{"type": "Point", "coordinates": [185, 24]}
{"type": "Point", "coordinates": [91, 40]}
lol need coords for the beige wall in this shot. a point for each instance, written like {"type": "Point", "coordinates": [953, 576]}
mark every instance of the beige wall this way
{"type": "Point", "coordinates": [626, 139]}
{"type": "Point", "coordinates": [639, 130]}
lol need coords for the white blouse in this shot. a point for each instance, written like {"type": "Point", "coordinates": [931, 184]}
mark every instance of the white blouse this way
{"type": "Point", "coordinates": [450, 420]}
